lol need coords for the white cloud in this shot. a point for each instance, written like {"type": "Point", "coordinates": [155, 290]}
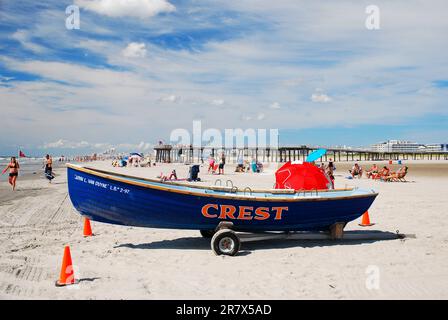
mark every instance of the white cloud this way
{"type": "Point", "coordinates": [65, 144]}
{"type": "Point", "coordinates": [95, 146]}
{"type": "Point", "coordinates": [3, 78]}
{"type": "Point", "coordinates": [261, 116]}
{"type": "Point", "coordinates": [75, 74]}
{"type": "Point", "coordinates": [293, 82]}
{"type": "Point", "coordinates": [135, 50]}
{"type": "Point", "coordinates": [319, 96]}
{"type": "Point", "coordinates": [275, 105]}
{"type": "Point", "coordinates": [127, 8]}
{"type": "Point", "coordinates": [24, 38]}
{"type": "Point", "coordinates": [171, 98]}
{"type": "Point", "coordinates": [217, 102]}
{"type": "Point", "coordinates": [144, 146]}
{"type": "Point", "coordinates": [362, 74]}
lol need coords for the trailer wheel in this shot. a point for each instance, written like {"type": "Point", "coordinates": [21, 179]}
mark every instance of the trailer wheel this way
{"type": "Point", "coordinates": [207, 233]}
{"type": "Point", "coordinates": [225, 242]}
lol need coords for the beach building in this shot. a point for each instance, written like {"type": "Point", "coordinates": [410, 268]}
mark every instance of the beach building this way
{"type": "Point", "coordinates": [408, 146]}
{"type": "Point", "coordinates": [436, 147]}
{"type": "Point", "coordinates": [396, 146]}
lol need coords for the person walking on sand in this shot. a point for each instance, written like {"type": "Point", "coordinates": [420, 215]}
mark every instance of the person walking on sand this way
{"type": "Point", "coordinates": [13, 167]}
{"type": "Point", "coordinates": [331, 168]}
{"type": "Point", "coordinates": [211, 164]}
{"type": "Point", "coordinates": [49, 168]}
{"type": "Point", "coordinates": [222, 163]}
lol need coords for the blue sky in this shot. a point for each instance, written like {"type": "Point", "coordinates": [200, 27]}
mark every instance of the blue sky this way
{"type": "Point", "coordinates": [132, 73]}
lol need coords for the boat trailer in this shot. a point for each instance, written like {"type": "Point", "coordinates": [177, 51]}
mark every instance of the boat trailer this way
{"type": "Point", "coordinates": [226, 241]}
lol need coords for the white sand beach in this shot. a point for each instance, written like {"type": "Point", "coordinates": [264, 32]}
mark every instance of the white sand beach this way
{"type": "Point", "coordinates": [38, 220]}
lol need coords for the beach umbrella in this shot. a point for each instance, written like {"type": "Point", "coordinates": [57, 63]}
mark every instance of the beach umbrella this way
{"type": "Point", "coordinates": [313, 156]}
{"type": "Point", "coordinates": [136, 154]}
{"type": "Point", "coordinates": [299, 175]}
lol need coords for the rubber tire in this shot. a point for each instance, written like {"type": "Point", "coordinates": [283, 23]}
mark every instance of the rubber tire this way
{"type": "Point", "coordinates": [222, 234]}
{"type": "Point", "coordinates": [208, 234]}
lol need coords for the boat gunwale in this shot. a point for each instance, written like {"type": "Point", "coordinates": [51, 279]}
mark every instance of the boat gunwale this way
{"type": "Point", "coordinates": [116, 177]}
{"type": "Point", "coordinates": [273, 191]}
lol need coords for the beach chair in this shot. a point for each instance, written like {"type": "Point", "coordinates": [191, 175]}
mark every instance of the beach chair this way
{"type": "Point", "coordinates": [381, 175]}
{"type": "Point", "coordinates": [375, 176]}
{"type": "Point", "coordinates": [397, 177]}
{"type": "Point", "coordinates": [400, 177]}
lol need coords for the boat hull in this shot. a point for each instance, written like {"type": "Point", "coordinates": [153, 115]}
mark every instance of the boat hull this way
{"type": "Point", "coordinates": [116, 201]}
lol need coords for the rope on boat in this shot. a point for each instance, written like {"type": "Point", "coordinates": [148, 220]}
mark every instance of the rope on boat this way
{"type": "Point", "coordinates": [247, 188]}
{"type": "Point", "coordinates": [220, 182]}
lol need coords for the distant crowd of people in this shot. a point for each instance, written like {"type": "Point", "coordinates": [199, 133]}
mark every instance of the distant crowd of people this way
{"type": "Point", "coordinates": [133, 161]}
{"type": "Point", "coordinates": [241, 166]}
{"type": "Point", "coordinates": [375, 173]}
{"type": "Point", "coordinates": [217, 166]}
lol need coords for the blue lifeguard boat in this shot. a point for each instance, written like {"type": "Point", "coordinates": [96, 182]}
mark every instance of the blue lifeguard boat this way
{"type": "Point", "coordinates": [125, 200]}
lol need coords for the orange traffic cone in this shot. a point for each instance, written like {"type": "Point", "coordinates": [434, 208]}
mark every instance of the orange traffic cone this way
{"type": "Point", "coordinates": [87, 229]}
{"type": "Point", "coordinates": [366, 220]}
{"type": "Point", "coordinates": [67, 276]}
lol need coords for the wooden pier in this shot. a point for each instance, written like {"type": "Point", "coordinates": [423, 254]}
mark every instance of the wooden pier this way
{"type": "Point", "coordinates": [169, 153]}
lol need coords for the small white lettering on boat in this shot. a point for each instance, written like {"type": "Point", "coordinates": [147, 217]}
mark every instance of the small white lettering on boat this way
{"type": "Point", "coordinates": [79, 178]}
{"type": "Point", "coordinates": [102, 185]}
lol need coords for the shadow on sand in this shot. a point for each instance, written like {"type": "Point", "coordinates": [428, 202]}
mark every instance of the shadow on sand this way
{"type": "Point", "coordinates": [198, 243]}
{"type": "Point", "coordinates": [89, 279]}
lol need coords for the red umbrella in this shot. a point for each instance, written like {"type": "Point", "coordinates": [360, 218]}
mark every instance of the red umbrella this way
{"type": "Point", "coordinates": [301, 176]}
